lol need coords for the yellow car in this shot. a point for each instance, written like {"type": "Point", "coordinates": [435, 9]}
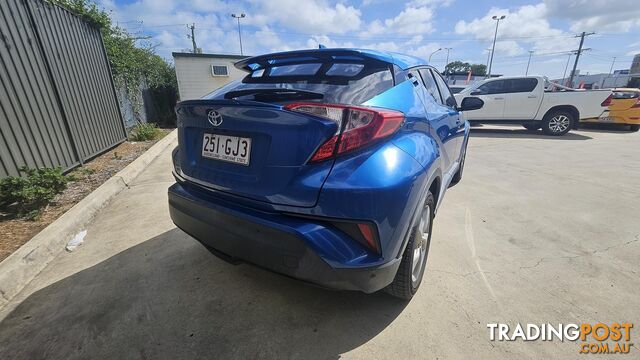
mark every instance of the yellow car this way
{"type": "Point", "coordinates": [623, 107]}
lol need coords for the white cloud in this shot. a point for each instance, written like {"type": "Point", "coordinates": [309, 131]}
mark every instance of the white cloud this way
{"type": "Point", "coordinates": [307, 16]}
{"type": "Point", "coordinates": [526, 24]}
{"type": "Point", "coordinates": [600, 15]}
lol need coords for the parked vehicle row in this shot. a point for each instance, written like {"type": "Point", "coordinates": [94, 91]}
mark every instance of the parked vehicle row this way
{"type": "Point", "coordinates": [325, 165]}
{"type": "Point", "coordinates": [526, 101]}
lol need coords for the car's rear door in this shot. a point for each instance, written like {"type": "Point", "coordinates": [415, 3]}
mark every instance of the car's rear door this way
{"type": "Point", "coordinates": [522, 98]}
{"type": "Point", "coordinates": [456, 124]}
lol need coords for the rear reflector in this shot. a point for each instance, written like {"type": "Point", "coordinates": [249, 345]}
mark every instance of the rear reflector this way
{"type": "Point", "coordinates": [363, 125]}
{"type": "Point", "coordinates": [369, 234]}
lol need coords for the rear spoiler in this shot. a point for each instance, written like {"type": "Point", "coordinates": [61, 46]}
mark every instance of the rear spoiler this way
{"type": "Point", "coordinates": [310, 56]}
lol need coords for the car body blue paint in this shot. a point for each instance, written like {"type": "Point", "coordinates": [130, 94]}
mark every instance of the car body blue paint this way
{"type": "Point", "coordinates": [383, 183]}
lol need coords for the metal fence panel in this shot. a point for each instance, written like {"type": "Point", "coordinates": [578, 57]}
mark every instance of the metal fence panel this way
{"type": "Point", "coordinates": [32, 127]}
{"type": "Point", "coordinates": [78, 61]}
{"type": "Point", "coordinates": [58, 105]}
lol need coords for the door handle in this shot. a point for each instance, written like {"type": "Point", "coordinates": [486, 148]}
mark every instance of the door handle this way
{"type": "Point", "coordinates": [498, 98]}
{"type": "Point", "coordinates": [532, 96]}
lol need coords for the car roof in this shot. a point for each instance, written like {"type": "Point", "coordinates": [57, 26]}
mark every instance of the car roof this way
{"type": "Point", "coordinates": [627, 89]}
{"type": "Point", "coordinates": [401, 60]}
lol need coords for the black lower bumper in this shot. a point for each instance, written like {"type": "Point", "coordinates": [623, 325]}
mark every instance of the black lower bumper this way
{"type": "Point", "coordinates": [251, 239]}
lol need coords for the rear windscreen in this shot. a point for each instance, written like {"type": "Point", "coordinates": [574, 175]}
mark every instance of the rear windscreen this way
{"type": "Point", "coordinates": [625, 94]}
{"type": "Point", "coordinates": [338, 82]}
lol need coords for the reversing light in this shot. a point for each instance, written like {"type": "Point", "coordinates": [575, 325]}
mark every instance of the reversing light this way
{"type": "Point", "coordinates": [363, 126]}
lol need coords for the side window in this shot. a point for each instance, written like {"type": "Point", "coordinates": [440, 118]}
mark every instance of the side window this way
{"type": "Point", "coordinates": [448, 98]}
{"type": "Point", "coordinates": [522, 85]}
{"type": "Point", "coordinates": [492, 87]}
{"type": "Point", "coordinates": [430, 85]}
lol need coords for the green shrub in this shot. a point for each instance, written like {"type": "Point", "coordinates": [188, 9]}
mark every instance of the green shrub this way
{"type": "Point", "coordinates": [144, 132]}
{"type": "Point", "coordinates": [27, 196]}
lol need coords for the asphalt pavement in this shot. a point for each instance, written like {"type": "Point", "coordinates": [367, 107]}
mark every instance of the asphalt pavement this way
{"type": "Point", "coordinates": [540, 230]}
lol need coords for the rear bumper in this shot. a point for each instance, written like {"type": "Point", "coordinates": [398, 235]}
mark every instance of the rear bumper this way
{"type": "Point", "coordinates": [281, 243]}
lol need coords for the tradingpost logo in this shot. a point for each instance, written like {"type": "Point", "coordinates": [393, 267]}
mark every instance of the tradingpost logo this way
{"type": "Point", "coordinates": [596, 338]}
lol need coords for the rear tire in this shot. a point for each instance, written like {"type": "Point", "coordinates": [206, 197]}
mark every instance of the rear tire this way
{"type": "Point", "coordinates": [558, 123]}
{"type": "Point", "coordinates": [532, 126]}
{"type": "Point", "coordinates": [634, 127]}
{"type": "Point", "coordinates": [414, 259]}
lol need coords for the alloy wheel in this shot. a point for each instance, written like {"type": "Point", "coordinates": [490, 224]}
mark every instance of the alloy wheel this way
{"type": "Point", "coordinates": [559, 123]}
{"type": "Point", "coordinates": [420, 250]}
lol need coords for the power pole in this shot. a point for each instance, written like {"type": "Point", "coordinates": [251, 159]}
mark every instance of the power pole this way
{"type": "Point", "coordinates": [564, 75]}
{"type": "Point", "coordinates": [575, 64]}
{"type": "Point", "coordinates": [528, 62]}
{"type": "Point", "coordinates": [193, 37]}
{"type": "Point", "coordinates": [612, 63]}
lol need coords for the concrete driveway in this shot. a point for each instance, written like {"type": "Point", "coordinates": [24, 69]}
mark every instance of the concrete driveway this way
{"type": "Point", "coordinates": [540, 230]}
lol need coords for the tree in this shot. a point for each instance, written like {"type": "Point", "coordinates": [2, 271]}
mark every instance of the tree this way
{"type": "Point", "coordinates": [457, 67]}
{"type": "Point", "coordinates": [479, 69]}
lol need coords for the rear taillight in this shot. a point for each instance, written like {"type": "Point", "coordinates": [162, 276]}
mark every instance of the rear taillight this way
{"type": "Point", "coordinates": [607, 101]}
{"type": "Point", "coordinates": [360, 126]}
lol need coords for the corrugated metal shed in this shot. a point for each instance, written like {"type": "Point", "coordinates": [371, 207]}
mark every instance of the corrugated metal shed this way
{"type": "Point", "coordinates": [57, 103]}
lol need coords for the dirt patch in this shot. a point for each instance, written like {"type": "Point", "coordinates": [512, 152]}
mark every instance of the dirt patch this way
{"type": "Point", "coordinates": [15, 232]}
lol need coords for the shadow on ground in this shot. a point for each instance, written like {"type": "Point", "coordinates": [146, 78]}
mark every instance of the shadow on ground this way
{"type": "Point", "coordinates": [606, 128]}
{"type": "Point", "coordinates": [523, 134]}
{"type": "Point", "coordinates": [170, 298]}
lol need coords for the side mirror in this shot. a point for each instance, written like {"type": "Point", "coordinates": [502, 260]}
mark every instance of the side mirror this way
{"type": "Point", "coordinates": [471, 103]}
{"type": "Point", "coordinates": [476, 92]}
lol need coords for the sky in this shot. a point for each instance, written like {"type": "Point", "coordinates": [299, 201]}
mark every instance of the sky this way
{"type": "Point", "coordinates": [416, 27]}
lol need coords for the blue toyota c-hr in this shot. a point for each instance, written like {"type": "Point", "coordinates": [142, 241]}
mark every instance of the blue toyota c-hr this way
{"type": "Point", "coordinates": [324, 165]}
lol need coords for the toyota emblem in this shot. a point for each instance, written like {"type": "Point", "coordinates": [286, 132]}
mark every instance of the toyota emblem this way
{"type": "Point", "coordinates": [214, 118]}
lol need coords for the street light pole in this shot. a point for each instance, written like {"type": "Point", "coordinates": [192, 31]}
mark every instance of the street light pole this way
{"type": "Point", "coordinates": [433, 53]}
{"type": "Point", "coordinates": [528, 62]}
{"type": "Point", "coordinates": [238, 17]}
{"type": "Point", "coordinates": [446, 61]}
{"type": "Point", "coordinates": [495, 35]}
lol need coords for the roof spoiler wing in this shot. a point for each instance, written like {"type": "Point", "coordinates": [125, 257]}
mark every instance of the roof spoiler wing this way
{"type": "Point", "coordinates": [309, 56]}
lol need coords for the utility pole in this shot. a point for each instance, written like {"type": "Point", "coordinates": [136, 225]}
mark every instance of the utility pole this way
{"type": "Point", "coordinates": [238, 17]}
{"type": "Point", "coordinates": [564, 75]}
{"type": "Point", "coordinates": [575, 64]}
{"type": "Point", "coordinates": [193, 37]}
{"type": "Point", "coordinates": [528, 62]}
{"type": "Point", "coordinates": [495, 35]}
{"type": "Point", "coordinates": [612, 63]}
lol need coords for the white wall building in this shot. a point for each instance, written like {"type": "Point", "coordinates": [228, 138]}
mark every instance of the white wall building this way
{"type": "Point", "coordinates": [200, 74]}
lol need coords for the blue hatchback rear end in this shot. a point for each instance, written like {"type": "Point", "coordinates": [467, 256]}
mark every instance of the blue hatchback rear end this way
{"type": "Point", "coordinates": [324, 165]}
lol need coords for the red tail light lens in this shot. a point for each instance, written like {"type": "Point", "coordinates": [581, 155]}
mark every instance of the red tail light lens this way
{"type": "Point", "coordinates": [607, 101]}
{"type": "Point", "coordinates": [363, 126]}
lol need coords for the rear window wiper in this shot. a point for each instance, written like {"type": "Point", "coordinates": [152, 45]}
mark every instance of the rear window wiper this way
{"type": "Point", "coordinates": [275, 94]}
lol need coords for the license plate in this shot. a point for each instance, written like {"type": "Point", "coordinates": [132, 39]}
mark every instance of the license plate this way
{"type": "Point", "coordinates": [232, 149]}
{"type": "Point", "coordinates": [606, 119]}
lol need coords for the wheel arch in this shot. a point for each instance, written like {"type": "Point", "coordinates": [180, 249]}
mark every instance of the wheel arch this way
{"type": "Point", "coordinates": [568, 108]}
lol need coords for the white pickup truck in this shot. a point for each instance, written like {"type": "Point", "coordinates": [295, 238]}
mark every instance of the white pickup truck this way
{"type": "Point", "coordinates": [532, 102]}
